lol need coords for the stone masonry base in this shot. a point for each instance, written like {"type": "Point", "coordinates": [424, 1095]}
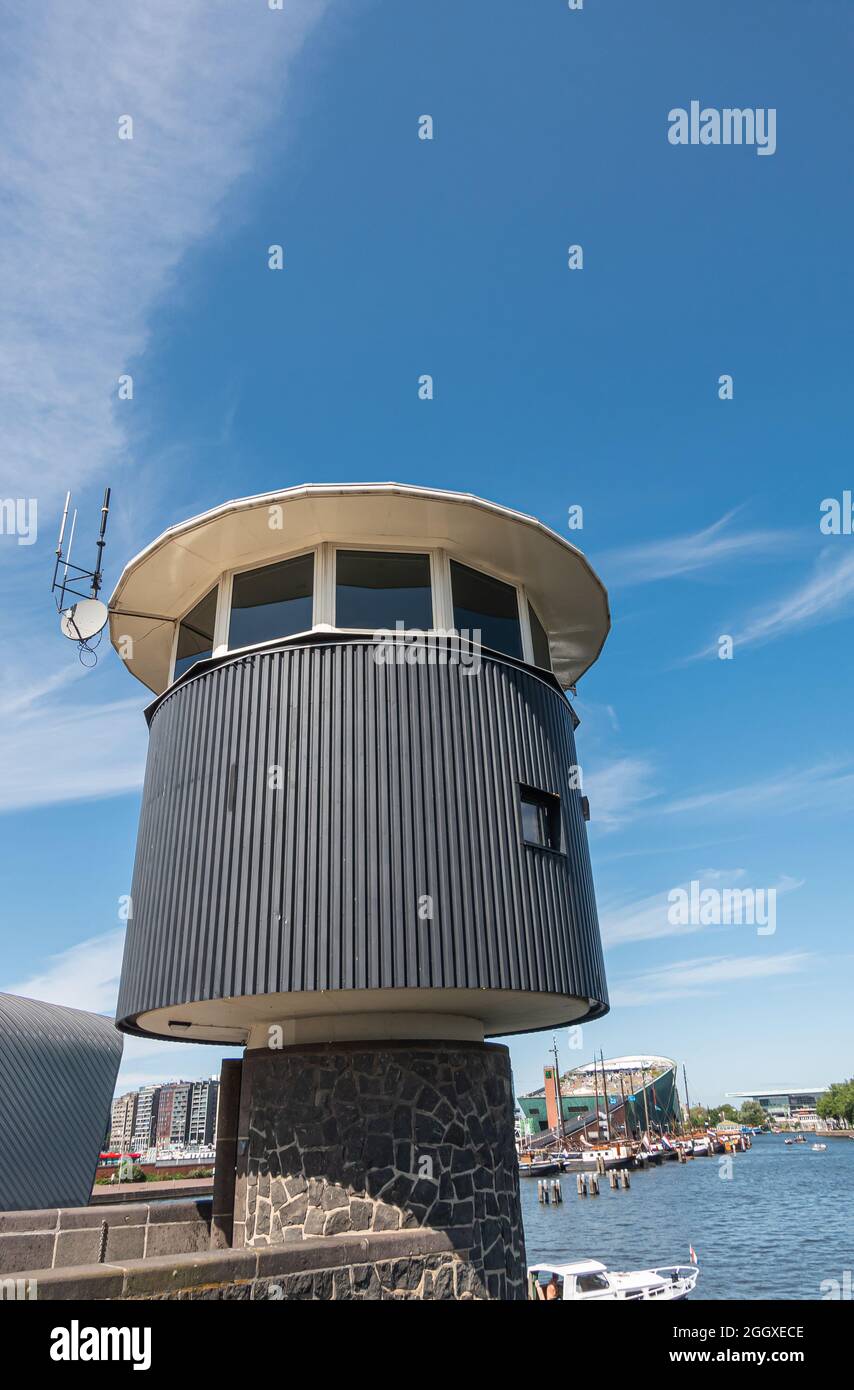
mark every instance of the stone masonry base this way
{"type": "Point", "coordinates": [343, 1140]}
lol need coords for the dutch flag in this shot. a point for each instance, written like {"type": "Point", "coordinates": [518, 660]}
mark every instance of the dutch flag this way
{"type": "Point", "coordinates": [693, 1254]}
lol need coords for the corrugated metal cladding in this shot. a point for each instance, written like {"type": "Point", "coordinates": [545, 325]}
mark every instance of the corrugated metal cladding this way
{"type": "Point", "coordinates": [58, 1071]}
{"type": "Point", "coordinates": [397, 782]}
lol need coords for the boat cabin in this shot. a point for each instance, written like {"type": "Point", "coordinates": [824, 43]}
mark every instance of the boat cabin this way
{"type": "Point", "coordinates": [583, 1279]}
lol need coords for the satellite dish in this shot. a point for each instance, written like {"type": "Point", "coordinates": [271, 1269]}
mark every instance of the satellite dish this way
{"type": "Point", "coordinates": [83, 619]}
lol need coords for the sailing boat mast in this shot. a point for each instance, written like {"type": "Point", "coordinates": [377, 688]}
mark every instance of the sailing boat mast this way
{"type": "Point", "coordinates": [687, 1101]}
{"type": "Point", "coordinates": [645, 1104]}
{"type": "Point", "coordinates": [559, 1096]}
{"type": "Point", "coordinates": [595, 1094]}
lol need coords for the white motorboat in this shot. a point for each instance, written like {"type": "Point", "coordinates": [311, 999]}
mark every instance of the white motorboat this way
{"type": "Point", "coordinates": [819, 1148]}
{"type": "Point", "coordinates": [589, 1280]}
{"type": "Point", "coordinates": [590, 1160]}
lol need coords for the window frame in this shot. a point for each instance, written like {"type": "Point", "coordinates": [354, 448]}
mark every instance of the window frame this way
{"type": "Point", "coordinates": [521, 603]}
{"type": "Point", "coordinates": [324, 596]}
{"type": "Point", "coordinates": [388, 549]}
{"type": "Point", "coordinates": [176, 629]}
{"type": "Point", "coordinates": [550, 801]}
{"type": "Point", "coordinates": [227, 589]}
{"type": "Point", "coordinates": [530, 607]}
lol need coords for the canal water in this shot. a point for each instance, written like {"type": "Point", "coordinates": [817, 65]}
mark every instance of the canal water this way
{"type": "Point", "coordinates": [778, 1228]}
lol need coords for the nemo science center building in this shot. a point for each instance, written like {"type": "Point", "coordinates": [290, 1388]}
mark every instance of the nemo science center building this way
{"type": "Point", "coordinates": [362, 853]}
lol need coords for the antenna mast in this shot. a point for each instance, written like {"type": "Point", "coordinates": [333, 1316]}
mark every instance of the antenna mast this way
{"type": "Point", "coordinates": [84, 620]}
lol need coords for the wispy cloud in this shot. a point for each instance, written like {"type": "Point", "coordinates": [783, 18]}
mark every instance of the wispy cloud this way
{"type": "Point", "coordinates": [53, 745]}
{"type": "Point", "coordinates": [94, 227]}
{"type": "Point", "coordinates": [704, 976]}
{"type": "Point", "coordinates": [94, 235]}
{"type": "Point", "coordinates": [55, 750]}
{"type": "Point", "coordinates": [646, 919]}
{"type": "Point", "coordinates": [596, 716]}
{"type": "Point", "coordinates": [20, 690]}
{"type": "Point", "coordinates": [828, 786]}
{"type": "Point", "coordinates": [85, 976]}
{"type": "Point", "coordinates": [617, 789]}
{"type": "Point", "coordinates": [827, 595]}
{"type": "Point", "coordinates": [715, 545]}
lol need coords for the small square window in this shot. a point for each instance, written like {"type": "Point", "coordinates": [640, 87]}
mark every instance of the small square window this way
{"type": "Point", "coordinates": [541, 823]}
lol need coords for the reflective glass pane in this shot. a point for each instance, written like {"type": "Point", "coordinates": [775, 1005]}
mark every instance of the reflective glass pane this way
{"type": "Point", "coordinates": [481, 602]}
{"type": "Point", "coordinates": [539, 641]}
{"type": "Point", "coordinates": [532, 829]}
{"type": "Point", "coordinates": [195, 634]}
{"type": "Point", "coordinates": [541, 824]}
{"type": "Point", "coordinates": [275, 601]}
{"type": "Point", "coordinates": [377, 589]}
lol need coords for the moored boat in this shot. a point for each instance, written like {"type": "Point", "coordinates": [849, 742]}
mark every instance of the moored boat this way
{"type": "Point", "coordinates": [595, 1160]}
{"type": "Point", "coordinates": [592, 1281]}
{"type": "Point", "coordinates": [538, 1167]}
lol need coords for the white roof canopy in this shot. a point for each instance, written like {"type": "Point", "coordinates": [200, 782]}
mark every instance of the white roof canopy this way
{"type": "Point", "coordinates": [642, 1062]}
{"type": "Point", "coordinates": [163, 582]}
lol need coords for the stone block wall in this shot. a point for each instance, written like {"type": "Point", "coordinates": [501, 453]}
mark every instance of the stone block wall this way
{"type": "Point", "coordinates": [336, 1140]}
{"type": "Point", "coordinates": [391, 1265]}
{"type": "Point", "coordinates": [64, 1237]}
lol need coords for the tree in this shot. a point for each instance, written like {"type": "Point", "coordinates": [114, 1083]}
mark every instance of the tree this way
{"type": "Point", "coordinates": [751, 1113]}
{"type": "Point", "coordinates": [837, 1103]}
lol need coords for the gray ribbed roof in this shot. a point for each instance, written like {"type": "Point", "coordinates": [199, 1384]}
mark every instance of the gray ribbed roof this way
{"type": "Point", "coordinates": [58, 1070]}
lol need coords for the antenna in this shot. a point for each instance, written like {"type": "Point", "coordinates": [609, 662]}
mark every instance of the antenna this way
{"type": "Point", "coordinates": [84, 620]}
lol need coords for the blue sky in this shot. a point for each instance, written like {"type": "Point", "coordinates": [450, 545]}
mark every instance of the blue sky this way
{"type": "Point", "coordinates": [596, 387]}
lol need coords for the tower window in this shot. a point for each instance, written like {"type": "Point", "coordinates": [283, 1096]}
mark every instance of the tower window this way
{"type": "Point", "coordinates": [196, 634]}
{"type": "Point", "coordinates": [539, 641]}
{"type": "Point", "coordinates": [375, 589]}
{"type": "Point", "coordinates": [274, 601]}
{"type": "Point", "coordinates": [488, 605]}
{"type": "Point", "coordinates": [540, 818]}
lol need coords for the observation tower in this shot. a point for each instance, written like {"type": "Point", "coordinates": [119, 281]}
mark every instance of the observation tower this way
{"type": "Point", "coordinates": [362, 848]}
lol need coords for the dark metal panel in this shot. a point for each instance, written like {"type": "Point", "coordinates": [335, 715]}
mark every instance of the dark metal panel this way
{"type": "Point", "coordinates": [398, 781]}
{"type": "Point", "coordinates": [58, 1070]}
